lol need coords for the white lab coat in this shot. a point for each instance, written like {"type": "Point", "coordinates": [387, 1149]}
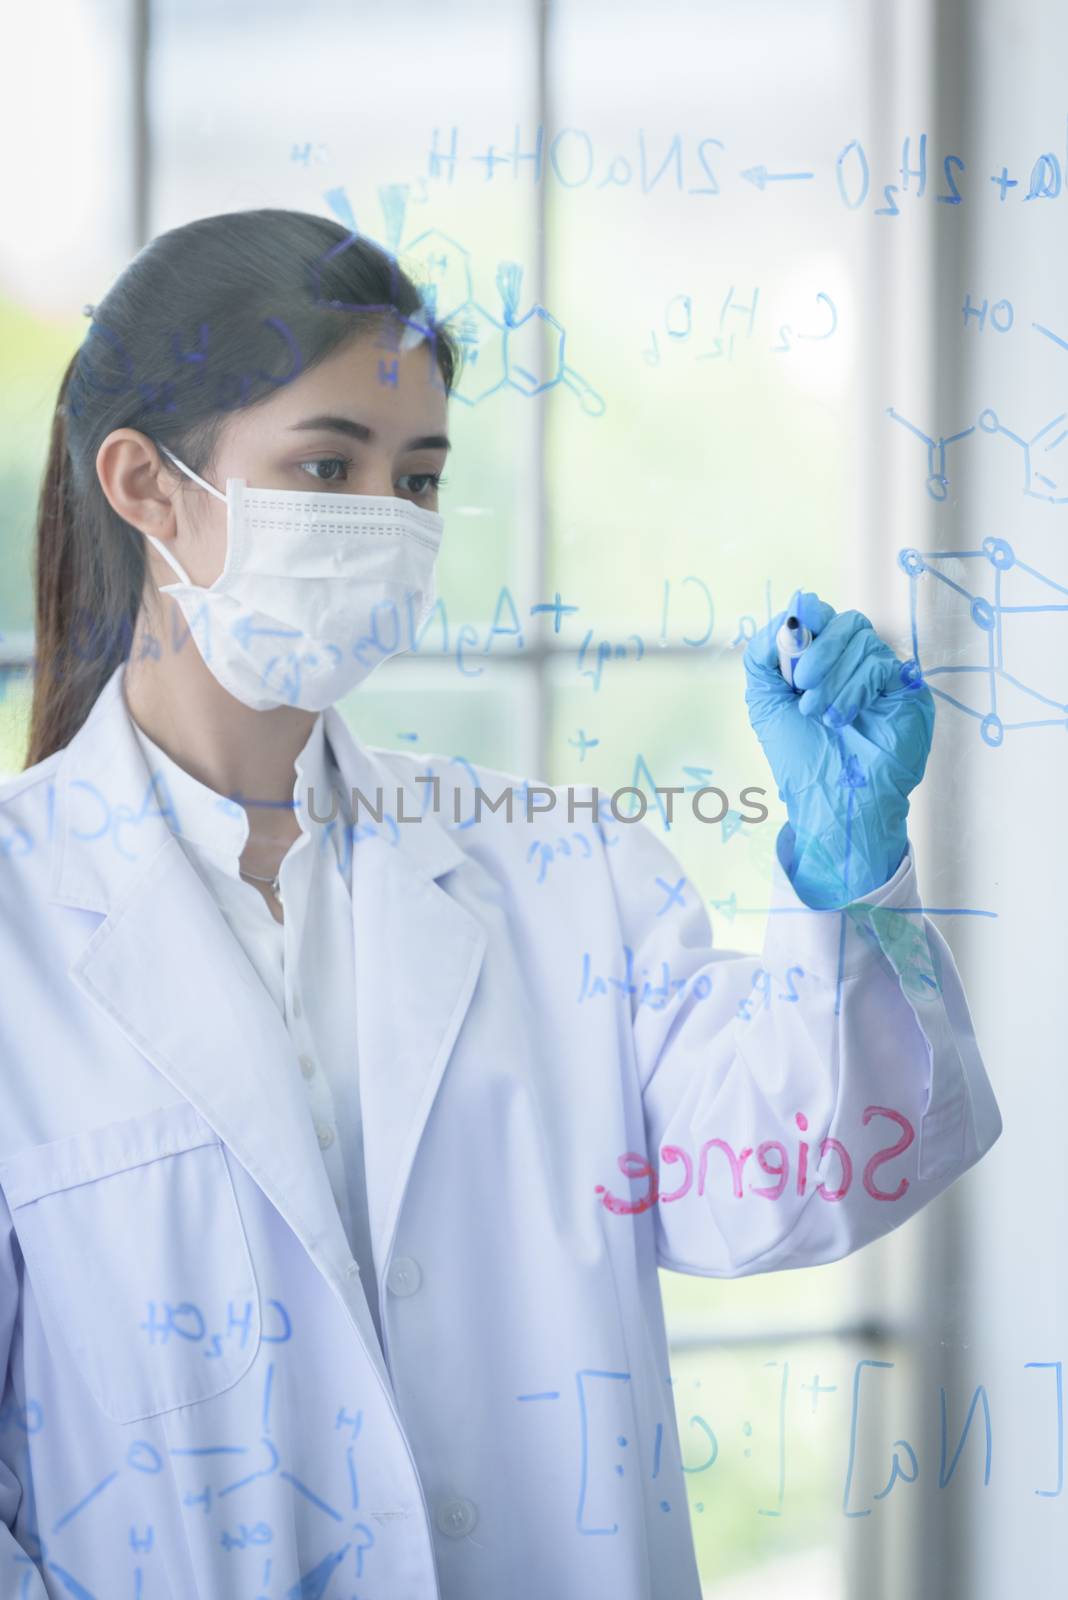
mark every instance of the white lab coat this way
{"type": "Point", "coordinates": [195, 1405]}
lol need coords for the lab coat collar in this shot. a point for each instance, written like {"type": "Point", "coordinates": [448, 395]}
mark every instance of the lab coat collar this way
{"type": "Point", "coordinates": [111, 815]}
{"type": "Point", "coordinates": [215, 825]}
{"type": "Point", "coordinates": [212, 824]}
{"type": "Point", "coordinates": [165, 967]}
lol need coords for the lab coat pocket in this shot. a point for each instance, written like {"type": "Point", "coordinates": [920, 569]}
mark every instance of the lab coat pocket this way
{"type": "Point", "coordinates": [136, 1252]}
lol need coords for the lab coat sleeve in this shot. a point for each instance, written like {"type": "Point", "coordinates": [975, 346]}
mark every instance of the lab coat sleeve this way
{"type": "Point", "coordinates": [848, 1035]}
{"type": "Point", "coordinates": [13, 1558]}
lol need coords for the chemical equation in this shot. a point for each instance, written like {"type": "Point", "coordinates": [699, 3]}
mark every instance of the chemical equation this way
{"type": "Point", "coordinates": [874, 1468]}
{"type": "Point", "coordinates": [678, 326]}
{"type": "Point", "coordinates": [685, 601]}
{"type": "Point", "coordinates": [569, 159]}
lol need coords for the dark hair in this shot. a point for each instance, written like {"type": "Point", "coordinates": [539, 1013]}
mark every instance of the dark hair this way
{"type": "Point", "coordinates": [207, 319]}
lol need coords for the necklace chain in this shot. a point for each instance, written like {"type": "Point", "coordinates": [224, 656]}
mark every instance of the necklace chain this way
{"type": "Point", "coordinates": [273, 882]}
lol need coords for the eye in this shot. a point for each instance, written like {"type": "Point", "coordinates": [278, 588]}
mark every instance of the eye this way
{"type": "Point", "coordinates": [328, 461]}
{"type": "Point", "coordinates": [421, 484]}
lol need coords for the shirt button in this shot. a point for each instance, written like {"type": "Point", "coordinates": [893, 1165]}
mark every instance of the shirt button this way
{"type": "Point", "coordinates": [307, 1066]}
{"type": "Point", "coordinates": [404, 1276]}
{"type": "Point", "coordinates": [352, 1270]}
{"type": "Point", "coordinates": [457, 1517]}
{"type": "Point", "coordinates": [325, 1135]}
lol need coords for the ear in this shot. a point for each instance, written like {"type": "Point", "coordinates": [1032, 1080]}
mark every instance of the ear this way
{"type": "Point", "coordinates": [142, 487]}
{"type": "Point", "coordinates": [138, 482]}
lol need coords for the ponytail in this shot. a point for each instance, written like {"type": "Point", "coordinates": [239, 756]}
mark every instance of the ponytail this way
{"type": "Point", "coordinates": [86, 601]}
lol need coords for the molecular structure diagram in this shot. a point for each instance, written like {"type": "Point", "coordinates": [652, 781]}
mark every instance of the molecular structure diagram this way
{"type": "Point", "coordinates": [987, 616]}
{"type": "Point", "coordinates": [1044, 467]}
{"type": "Point", "coordinates": [527, 353]}
{"type": "Point", "coordinates": [263, 1473]}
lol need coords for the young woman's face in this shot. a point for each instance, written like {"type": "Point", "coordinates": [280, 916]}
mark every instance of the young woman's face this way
{"type": "Point", "coordinates": [366, 420]}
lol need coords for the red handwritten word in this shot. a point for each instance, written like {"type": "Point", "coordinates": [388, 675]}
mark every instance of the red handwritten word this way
{"type": "Point", "coordinates": [634, 1165]}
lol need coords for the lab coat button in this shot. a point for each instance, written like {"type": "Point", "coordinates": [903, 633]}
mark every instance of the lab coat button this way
{"type": "Point", "coordinates": [325, 1134]}
{"type": "Point", "coordinates": [307, 1065]}
{"type": "Point", "coordinates": [456, 1517]}
{"type": "Point", "coordinates": [296, 1005]}
{"type": "Point", "coordinates": [404, 1276]}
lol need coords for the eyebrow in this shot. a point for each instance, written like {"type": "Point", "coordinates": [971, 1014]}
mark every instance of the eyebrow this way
{"type": "Point", "coordinates": [360, 430]}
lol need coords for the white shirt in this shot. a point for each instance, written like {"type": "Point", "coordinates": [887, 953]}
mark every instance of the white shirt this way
{"type": "Point", "coordinates": [306, 963]}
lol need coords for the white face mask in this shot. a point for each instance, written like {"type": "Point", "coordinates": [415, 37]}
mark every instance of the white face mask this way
{"type": "Point", "coordinates": [316, 590]}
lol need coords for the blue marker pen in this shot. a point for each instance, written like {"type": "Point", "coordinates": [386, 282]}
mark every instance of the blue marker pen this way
{"type": "Point", "coordinates": [792, 638]}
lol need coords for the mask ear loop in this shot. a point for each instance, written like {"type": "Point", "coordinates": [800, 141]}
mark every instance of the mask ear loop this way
{"type": "Point", "coordinates": [210, 487]}
{"type": "Point", "coordinates": [172, 561]}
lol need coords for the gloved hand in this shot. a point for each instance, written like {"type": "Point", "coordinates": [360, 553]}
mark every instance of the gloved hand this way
{"type": "Point", "coordinates": [845, 753]}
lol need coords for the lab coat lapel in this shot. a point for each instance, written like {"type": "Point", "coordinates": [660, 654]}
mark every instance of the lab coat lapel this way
{"type": "Point", "coordinates": [418, 955]}
{"type": "Point", "coordinates": [164, 965]}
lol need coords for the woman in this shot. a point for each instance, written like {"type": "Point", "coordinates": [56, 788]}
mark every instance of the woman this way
{"type": "Point", "coordinates": [330, 1217]}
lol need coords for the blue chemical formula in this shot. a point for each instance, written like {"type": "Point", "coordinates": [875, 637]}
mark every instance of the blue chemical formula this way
{"type": "Point", "coordinates": [989, 679]}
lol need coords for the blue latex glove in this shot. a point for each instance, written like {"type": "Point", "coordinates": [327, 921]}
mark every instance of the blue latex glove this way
{"type": "Point", "coordinates": [845, 753]}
